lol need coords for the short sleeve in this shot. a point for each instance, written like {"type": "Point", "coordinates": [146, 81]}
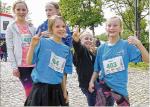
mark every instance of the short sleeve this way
{"type": "Point", "coordinates": [69, 64]}
{"type": "Point", "coordinates": [134, 53]}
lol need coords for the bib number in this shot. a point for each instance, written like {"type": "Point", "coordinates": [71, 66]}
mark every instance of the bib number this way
{"type": "Point", "coordinates": [113, 65]}
{"type": "Point", "coordinates": [26, 39]}
{"type": "Point", "coordinates": [57, 63]}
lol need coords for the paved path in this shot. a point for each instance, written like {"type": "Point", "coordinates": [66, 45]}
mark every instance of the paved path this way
{"type": "Point", "coordinates": [12, 93]}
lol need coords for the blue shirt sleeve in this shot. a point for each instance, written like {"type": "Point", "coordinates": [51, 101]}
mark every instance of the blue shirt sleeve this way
{"type": "Point", "coordinates": [68, 65]}
{"type": "Point", "coordinates": [38, 29]}
{"type": "Point", "coordinates": [134, 53]}
{"type": "Point", "coordinates": [35, 54]}
{"type": "Point", "coordinates": [43, 27]}
{"type": "Point", "coordinates": [68, 39]}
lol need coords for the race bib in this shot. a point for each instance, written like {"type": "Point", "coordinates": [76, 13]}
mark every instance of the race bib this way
{"type": "Point", "coordinates": [113, 65]}
{"type": "Point", "coordinates": [57, 63]}
{"type": "Point", "coordinates": [26, 40]}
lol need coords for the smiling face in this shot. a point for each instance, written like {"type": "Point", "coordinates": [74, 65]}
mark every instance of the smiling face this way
{"type": "Point", "coordinates": [87, 40]}
{"type": "Point", "coordinates": [51, 10]}
{"type": "Point", "coordinates": [114, 27]}
{"type": "Point", "coordinates": [20, 10]}
{"type": "Point", "coordinates": [57, 26]}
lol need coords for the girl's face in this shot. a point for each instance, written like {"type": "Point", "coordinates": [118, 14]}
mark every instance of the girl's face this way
{"type": "Point", "coordinates": [113, 28]}
{"type": "Point", "coordinates": [21, 11]}
{"type": "Point", "coordinates": [50, 10]}
{"type": "Point", "coordinates": [59, 28]}
{"type": "Point", "coordinates": [87, 41]}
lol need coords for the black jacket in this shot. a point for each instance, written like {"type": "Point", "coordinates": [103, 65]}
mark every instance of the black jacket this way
{"type": "Point", "coordinates": [83, 60]}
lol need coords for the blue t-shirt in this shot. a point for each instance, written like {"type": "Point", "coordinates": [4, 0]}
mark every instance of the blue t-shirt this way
{"type": "Point", "coordinates": [67, 40]}
{"type": "Point", "coordinates": [52, 60]}
{"type": "Point", "coordinates": [113, 61]}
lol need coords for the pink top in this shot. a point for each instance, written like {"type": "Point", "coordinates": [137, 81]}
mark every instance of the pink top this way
{"type": "Point", "coordinates": [26, 39]}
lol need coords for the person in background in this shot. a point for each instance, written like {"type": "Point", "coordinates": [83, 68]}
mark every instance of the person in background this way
{"type": "Point", "coordinates": [52, 8]}
{"type": "Point", "coordinates": [53, 61]}
{"type": "Point", "coordinates": [1, 52]}
{"type": "Point", "coordinates": [98, 42]}
{"type": "Point", "coordinates": [84, 57]}
{"type": "Point", "coordinates": [112, 62]}
{"type": "Point", "coordinates": [4, 50]}
{"type": "Point", "coordinates": [18, 38]}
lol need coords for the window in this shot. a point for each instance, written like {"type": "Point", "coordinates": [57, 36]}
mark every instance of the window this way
{"type": "Point", "coordinates": [5, 24]}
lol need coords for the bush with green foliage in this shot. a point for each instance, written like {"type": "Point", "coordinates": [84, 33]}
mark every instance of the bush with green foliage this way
{"type": "Point", "coordinates": [140, 65]}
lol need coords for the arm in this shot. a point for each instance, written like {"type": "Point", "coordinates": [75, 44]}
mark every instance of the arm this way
{"type": "Point", "coordinates": [76, 42]}
{"type": "Point", "coordinates": [63, 85]}
{"type": "Point", "coordinates": [76, 35]}
{"type": "Point", "coordinates": [10, 51]}
{"type": "Point", "coordinates": [144, 52]}
{"type": "Point", "coordinates": [10, 48]}
{"type": "Point", "coordinates": [93, 79]}
{"type": "Point", "coordinates": [34, 42]}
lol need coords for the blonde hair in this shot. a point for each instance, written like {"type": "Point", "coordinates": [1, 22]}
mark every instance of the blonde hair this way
{"type": "Point", "coordinates": [19, 1]}
{"type": "Point", "coordinates": [55, 4]}
{"type": "Point", "coordinates": [52, 20]}
{"type": "Point", "coordinates": [85, 33]}
{"type": "Point", "coordinates": [120, 21]}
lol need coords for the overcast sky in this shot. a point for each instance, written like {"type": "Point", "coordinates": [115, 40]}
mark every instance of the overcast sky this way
{"type": "Point", "coordinates": [38, 15]}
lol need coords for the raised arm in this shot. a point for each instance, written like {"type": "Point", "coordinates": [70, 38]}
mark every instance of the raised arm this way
{"type": "Point", "coordinates": [76, 42]}
{"type": "Point", "coordinates": [76, 35]}
{"type": "Point", "coordinates": [34, 42]}
{"type": "Point", "coordinates": [144, 52]}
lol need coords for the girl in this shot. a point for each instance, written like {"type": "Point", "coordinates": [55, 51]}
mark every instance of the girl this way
{"type": "Point", "coordinates": [52, 8]}
{"type": "Point", "coordinates": [53, 61]}
{"type": "Point", "coordinates": [18, 38]}
{"type": "Point", "coordinates": [112, 60]}
{"type": "Point", "coordinates": [84, 56]}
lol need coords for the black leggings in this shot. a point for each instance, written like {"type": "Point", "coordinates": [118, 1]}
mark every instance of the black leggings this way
{"type": "Point", "coordinates": [25, 78]}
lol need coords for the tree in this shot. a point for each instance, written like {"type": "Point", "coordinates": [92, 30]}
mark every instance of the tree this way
{"type": "Point", "coordinates": [125, 8]}
{"type": "Point", "coordinates": [102, 37]}
{"type": "Point", "coordinates": [4, 8]}
{"type": "Point", "coordinates": [85, 13]}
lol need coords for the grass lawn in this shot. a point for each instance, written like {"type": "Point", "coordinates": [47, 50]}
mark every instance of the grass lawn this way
{"type": "Point", "coordinates": [140, 65]}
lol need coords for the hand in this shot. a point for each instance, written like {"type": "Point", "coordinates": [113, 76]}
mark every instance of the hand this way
{"type": "Point", "coordinates": [116, 96]}
{"type": "Point", "coordinates": [35, 40]}
{"type": "Point", "coordinates": [16, 73]}
{"type": "Point", "coordinates": [66, 96]}
{"type": "Point", "coordinates": [93, 48]}
{"type": "Point", "coordinates": [46, 33]}
{"type": "Point", "coordinates": [91, 87]}
{"type": "Point", "coordinates": [134, 40]}
{"type": "Point", "coordinates": [76, 35]}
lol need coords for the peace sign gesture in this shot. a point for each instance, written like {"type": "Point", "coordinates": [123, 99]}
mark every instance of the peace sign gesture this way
{"type": "Point", "coordinates": [35, 39]}
{"type": "Point", "coordinates": [76, 34]}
